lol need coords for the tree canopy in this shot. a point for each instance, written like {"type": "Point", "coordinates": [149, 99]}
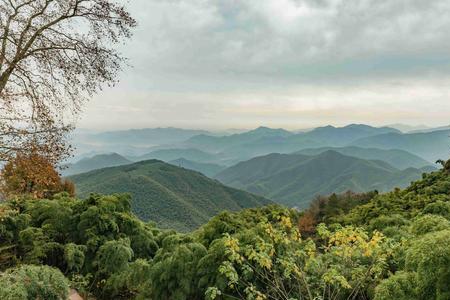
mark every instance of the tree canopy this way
{"type": "Point", "coordinates": [34, 175]}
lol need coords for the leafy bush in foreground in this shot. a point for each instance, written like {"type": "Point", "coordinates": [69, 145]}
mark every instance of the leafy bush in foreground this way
{"type": "Point", "coordinates": [28, 282]}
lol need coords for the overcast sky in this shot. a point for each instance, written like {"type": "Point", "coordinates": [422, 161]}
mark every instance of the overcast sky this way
{"type": "Point", "coordinates": [219, 64]}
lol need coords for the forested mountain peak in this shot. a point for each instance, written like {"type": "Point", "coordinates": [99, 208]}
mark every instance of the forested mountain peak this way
{"type": "Point", "coordinates": [295, 179]}
{"type": "Point", "coordinates": [173, 197]}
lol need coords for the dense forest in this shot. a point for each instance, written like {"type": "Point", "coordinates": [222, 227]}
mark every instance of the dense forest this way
{"type": "Point", "coordinates": [170, 196]}
{"type": "Point", "coordinates": [348, 246]}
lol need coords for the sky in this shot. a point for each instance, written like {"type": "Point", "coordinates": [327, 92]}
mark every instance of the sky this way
{"type": "Point", "coordinates": [218, 64]}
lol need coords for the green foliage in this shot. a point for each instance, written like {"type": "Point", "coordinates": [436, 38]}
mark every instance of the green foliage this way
{"type": "Point", "coordinates": [28, 282]}
{"type": "Point", "coordinates": [385, 246]}
{"type": "Point", "coordinates": [401, 286]}
{"type": "Point", "coordinates": [429, 223]}
{"type": "Point", "coordinates": [172, 197]}
{"type": "Point", "coordinates": [114, 256]}
{"type": "Point", "coordinates": [272, 261]}
{"type": "Point", "coordinates": [429, 195]}
{"type": "Point", "coordinates": [440, 208]}
{"type": "Point", "coordinates": [429, 258]}
{"type": "Point", "coordinates": [174, 270]}
{"type": "Point", "coordinates": [74, 255]}
{"type": "Point", "coordinates": [423, 261]}
{"type": "Point", "coordinates": [329, 209]}
{"type": "Point", "coordinates": [91, 240]}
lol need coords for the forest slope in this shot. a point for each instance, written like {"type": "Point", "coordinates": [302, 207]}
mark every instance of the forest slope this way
{"type": "Point", "coordinates": [295, 179]}
{"type": "Point", "coordinates": [173, 197]}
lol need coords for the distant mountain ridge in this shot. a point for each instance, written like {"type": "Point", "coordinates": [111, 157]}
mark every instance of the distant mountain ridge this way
{"type": "Point", "coordinates": [295, 179]}
{"type": "Point", "coordinates": [263, 140]}
{"type": "Point", "coordinates": [327, 134]}
{"type": "Point", "coordinates": [217, 143]}
{"type": "Point", "coordinates": [429, 145]}
{"type": "Point", "coordinates": [207, 169]}
{"type": "Point", "coordinates": [405, 128]}
{"type": "Point", "coordinates": [340, 136]}
{"type": "Point", "coordinates": [95, 162]}
{"type": "Point", "coordinates": [427, 130]}
{"type": "Point", "coordinates": [177, 153]}
{"type": "Point", "coordinates": [400, 159]}
{"type": "Point", "coordinates": [131, 142]}
{"type": "Point", "coordinates": [148, 136]}
{"type": "Point", "coordinates": [171, 196]}
{"type": "Point", "coordinates": [229, 149]}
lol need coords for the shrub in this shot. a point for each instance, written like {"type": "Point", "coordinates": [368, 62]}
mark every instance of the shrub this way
{"type": "Point", "coordinates": [28, 282]}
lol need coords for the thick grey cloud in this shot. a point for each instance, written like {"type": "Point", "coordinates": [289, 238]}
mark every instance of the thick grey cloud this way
{"type": "Point", "coordinates": [271, 62]}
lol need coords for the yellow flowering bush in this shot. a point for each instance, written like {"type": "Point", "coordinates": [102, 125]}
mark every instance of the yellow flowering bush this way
{"type": "Point", "coordinates": [272, 261]}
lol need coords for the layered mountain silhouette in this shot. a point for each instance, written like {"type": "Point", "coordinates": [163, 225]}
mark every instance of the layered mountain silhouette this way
{"type": "Point", "coordinates": [398, 158]}
{"type": "Point", "coordinates": [295, 179]}
{"type": "Point", "coordinates": [263, 140]}
{"type": "Point", "coordinates": [429, 145]}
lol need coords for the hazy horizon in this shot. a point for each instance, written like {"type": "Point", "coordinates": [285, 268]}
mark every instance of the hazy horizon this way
{"type": "Point", "coordinates": [242, 129]}
{"type": "Point", "coordinates": [281, 63]}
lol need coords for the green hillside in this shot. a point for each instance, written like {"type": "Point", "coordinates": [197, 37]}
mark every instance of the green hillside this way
{"type": "Point", "coordinates": [296, 179]}
{"type": "Point", "coordinates": [96, 162]}
{"type": "Point", "coordinates": [429, 195]}
{"type": "Point", "coordinates": [398, 158]}
{"type": "Point", "coordinates": [171, 196]}
{"type": "Point", "coordinates": [209, 170]}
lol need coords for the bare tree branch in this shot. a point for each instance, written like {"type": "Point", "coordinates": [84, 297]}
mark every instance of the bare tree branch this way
{"type": "Point", "coordinates": [54, 55]}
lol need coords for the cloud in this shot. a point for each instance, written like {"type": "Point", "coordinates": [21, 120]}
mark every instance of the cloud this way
{"type": "Point", "coordinates": [205, 61]}
{"type": "Point", "coordinates": [293, 39]}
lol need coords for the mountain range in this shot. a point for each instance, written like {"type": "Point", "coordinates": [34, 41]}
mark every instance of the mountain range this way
{"type": "Point", "coordinates": [171, 196]}
{"type": "Point", "coordinates": [263, 140]}
{"type": "Point", "coordinates": [429, 145]}
{"type": "Point", "coordinates": [397, 158]}
{"type": "Point", "coordinates": [295, 179]}
{"type": "Point", "coordinates": [169, 185]}
{"type": "Point", "coordinates": [169, 144]}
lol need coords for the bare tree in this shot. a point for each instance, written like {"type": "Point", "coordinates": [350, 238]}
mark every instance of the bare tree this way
{"type": "Point", "coordinates": [54, 55]}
